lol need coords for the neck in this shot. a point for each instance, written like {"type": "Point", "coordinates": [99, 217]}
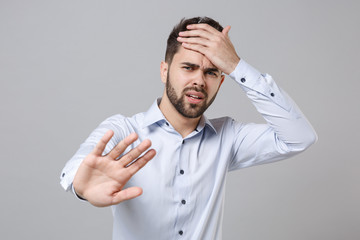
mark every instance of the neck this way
{"type": "Point", "coordinates": [181, 124]}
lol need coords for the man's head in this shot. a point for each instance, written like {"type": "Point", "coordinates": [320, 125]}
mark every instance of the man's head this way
{"type": "Point", "coordinates": [191, 79]}
{"type": "Point", "coordinates": [172, 42]}
{"type": "Point", "coordinates": [192, 83]}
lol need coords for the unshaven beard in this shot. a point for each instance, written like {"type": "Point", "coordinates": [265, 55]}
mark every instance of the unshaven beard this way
{"type": "Point", "coordinates": [192, 110]}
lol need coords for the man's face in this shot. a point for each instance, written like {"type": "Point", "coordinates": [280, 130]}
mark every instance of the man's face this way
{"type": "Point", "coordinates": [192, 83]}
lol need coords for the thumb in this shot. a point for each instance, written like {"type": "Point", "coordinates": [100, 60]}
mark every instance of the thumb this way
{"type": "Point", "coordinates": [226, 30]}
{"type": "Point", "coordinates": [126, 194]}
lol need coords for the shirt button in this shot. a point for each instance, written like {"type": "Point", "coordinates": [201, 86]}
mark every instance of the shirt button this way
{"type": "Point", "coordinates": [183, 201]}
{"type": "Point", "coordinates": [272, 94]}
{"type": "Point", "coordinates": [167, 124]}
{"type": "Point", "coordinates": [181, 232]}
{"type": "Point", "coordinates": [182, 172]}
{"type": "Point", "coordinates": [243, 80]}
{"type": "Point", "coordinates": [183, 141]}
{"type": "Point", "coordinates": [63, 175]}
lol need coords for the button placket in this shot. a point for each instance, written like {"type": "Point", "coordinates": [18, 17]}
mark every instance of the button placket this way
{"type": "Point", "coordinates": [183, 188]}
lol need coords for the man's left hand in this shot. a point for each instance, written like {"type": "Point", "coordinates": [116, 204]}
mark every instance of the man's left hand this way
{"type": "Point", "coordinates": [214, 45]}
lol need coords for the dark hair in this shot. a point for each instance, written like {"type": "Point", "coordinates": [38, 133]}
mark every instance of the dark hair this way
{"type": "Point", "coordinates": [172, 42]}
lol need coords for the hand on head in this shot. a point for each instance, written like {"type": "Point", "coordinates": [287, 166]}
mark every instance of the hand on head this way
{"type": "Point", "coordinates": [215, 45]}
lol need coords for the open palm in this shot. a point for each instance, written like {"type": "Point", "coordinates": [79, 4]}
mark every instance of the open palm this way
{"type": "Point", "coordinates": [101, 179]}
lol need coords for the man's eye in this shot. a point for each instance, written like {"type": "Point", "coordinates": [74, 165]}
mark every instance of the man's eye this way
{"type": "Point", "coordinates": [212, 74]}
{"type": "Point", "coordinates": [187, 68]}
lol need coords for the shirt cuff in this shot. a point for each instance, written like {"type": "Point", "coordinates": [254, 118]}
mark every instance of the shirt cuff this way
{"type": "Point", "coordinates": [245, 74]}
{"type": "Point", "coordinates": [250, 79]}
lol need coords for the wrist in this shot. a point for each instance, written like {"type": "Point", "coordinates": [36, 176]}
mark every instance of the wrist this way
{"type": "Point", "coordinates": [78, 195]}
{"type": "Point", "coordinates": [235, 63]}
{"type": "Point", "coordinates": [232, 65]}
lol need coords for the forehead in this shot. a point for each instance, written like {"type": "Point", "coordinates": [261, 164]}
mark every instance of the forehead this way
{"type": "Point", "coordinates": [185, 55]}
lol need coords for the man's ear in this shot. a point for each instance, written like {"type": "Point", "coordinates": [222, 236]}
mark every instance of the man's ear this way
{"type": "Point", "coordinates": [164, 71]}
{"type": "Point", "coordinates": [222, 79]}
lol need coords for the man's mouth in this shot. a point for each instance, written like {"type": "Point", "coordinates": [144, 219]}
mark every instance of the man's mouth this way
{"type": "Point", "coordinates": [194, 97]}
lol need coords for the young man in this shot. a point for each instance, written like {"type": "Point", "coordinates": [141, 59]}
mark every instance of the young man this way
{"type": "Point", "coordinates": [180, 192]}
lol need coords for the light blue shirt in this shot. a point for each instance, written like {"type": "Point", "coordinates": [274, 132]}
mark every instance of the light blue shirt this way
{"type": "Point", "coordinates": [184, 185]}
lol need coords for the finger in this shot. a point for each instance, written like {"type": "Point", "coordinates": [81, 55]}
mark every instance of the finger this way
{"type": "Point", "coordinates": [135, 152]}
{"type": "Point", "coordinates": [196, 33]}
{"type": "Point", "coordinates": [200, 41]}
{"type": "Point", "coordinates": [195, 47]}
{"type": "Point", "coordinates": [100, 146]}
{"type": "Point", "coordinates": [126, 194]}
{"type": "Point", "coordinates": [141, 162]}
{"type": "Point", "coordinates": [122, 145]}
{"type": "Point", "coordinates": [203, 26]}
{"type": "Point", "coordinates": [226, 30]}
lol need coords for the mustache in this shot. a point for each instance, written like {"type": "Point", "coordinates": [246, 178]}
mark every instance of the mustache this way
{"type": "Point", "coordinates": [195, 89]}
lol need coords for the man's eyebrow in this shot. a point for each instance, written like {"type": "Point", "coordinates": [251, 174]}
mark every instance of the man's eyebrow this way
{"type": "Point", "coordinates": [212, 70]}
{"type": "Point", "coordinates": [193, 65]}
{"type": "Point", "coordinates": [190, 64]}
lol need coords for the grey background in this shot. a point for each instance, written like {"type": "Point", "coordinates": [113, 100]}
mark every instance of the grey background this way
{"type": "Point", "coordinates": [67, 65]}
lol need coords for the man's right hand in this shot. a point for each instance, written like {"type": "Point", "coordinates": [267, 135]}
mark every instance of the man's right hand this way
{"type": "Point", "coordinates": [101, 179]}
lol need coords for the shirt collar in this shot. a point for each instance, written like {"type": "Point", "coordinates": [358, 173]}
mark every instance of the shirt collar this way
{"type": "Point", "coordinates": [154, 115]}
{"type": "Point", "coordinates": [204, 121]}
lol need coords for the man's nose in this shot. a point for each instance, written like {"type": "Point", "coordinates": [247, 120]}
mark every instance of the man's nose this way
{"type": "Point", "coordinates": [199, 80]}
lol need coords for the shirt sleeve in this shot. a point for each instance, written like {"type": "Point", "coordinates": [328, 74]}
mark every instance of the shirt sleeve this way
{"type": "Point", "coordinates": [287, 131]}
{"type": "Point", "coordinates": [71, 167]}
